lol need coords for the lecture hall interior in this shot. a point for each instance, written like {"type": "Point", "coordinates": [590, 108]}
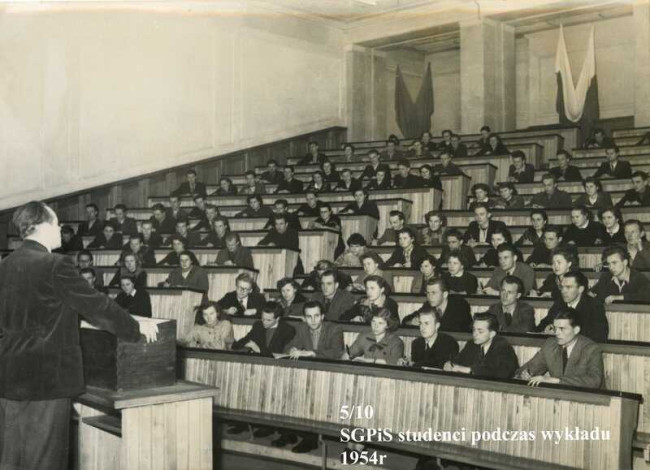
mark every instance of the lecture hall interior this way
{"type": "Point", "coordinates": [385, 234]}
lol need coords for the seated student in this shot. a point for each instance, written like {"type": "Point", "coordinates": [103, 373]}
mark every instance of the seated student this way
{"type": "Point", "coordinates": [495, 146]}
{"type": "Point", "coordinates": [348, 153]}
{"type": "Point", "coordinates": [590, 312]}
{"type": "Point", "coordinates": [188, 275]}
{"type": "Point", "coordinates": [191, 187]}
{"type": "Point", "coordinates": [192, 239]}
{"type": "Point", "coordinates": [509, 199]}
{"type": "Point", "coordinates": [551, 197]}
{"type": "Point", "coordinates": [418, 151]}
{"type": "Point", "coordinates": [90, 276]}
{"type": "Point", "coordinates": [407, 254]}
{"type": "Point", "coordinates": [134, 300]}
{"type": "Point", "coordinates": [433, 347]}
{"type": "Point", "coordinates": [311, 207]}
{"type": "Point", "coordinates": [328, 220]}
{"type": "Point", "coordinates": [564, 260]}
{"type": "Point", "coordinates": [245, 300]}
{"type": "Point", "coordinates": [377, 298]}
{"type": "Point", "coordinates": [313, 279]}
{"type": "Point", "coordinates": [161, 221]}
{"type": "Point", "coordinates": [372, 264]}
{"type": "Point", "coordinates": [639, 195]}
{"type": "Point", "coordinates": [404, 179]}
{"type": "Point", "coordinates": [281, 235]}
{"type": "Point", "coordinates": [107, 240]}
{"type": "Point", "coordinates": [428, 270]}
{"type": "Point", "coordinates": [69, 241]}
{"type": "Point", "coordinates": [315, 337]}
{"type": "Point", "coordinates": [509, 265]}
{"type": "Point", "coordinates": [599, 140]}
{"type": "Point", "coordinates": [150, 238]}
{"type": "Point", "coordinates": [491, 257]}
{"type": "Point", "coordinates": [351, 257]}
{"type": "Point", "coordinates": [347, 183]}
{"type": "Point", "coordinates": [313, 156]}
{"type": "Point", "coordinates": [210, 330]}
{"type": "Point", "coordinates": [122, 223]}
{"type": "Point", "coordinates": [330, 175]}
{"type": "Point", "coordinates": [380, 182]}
{"type": "Point", "coordinates": [291, 300]}
{"type": "Point", "coordinates": [84, 260]}
{"type": "Point", "coordinates": [520, 171]}
{"type": "Point", "coordinates": [513, 315]}
{"type": "Point", "coordinates": [483, 139]}
{"type": "Point", "coordinates": [568, 359]}
{"type": "Point", "coordinates": [481, 192]}
{"type": "Point", "coordinates": [391, 152]}
{"type": "Point", "coordinates": [637, 246]}
{"type": "Point", "coordinates": [217, 236]}
{"type": "Point", "coordinates": [434, 232]}
{"type": "Point", "coordinates": [289, 184]}
{"type": "Point", "coordinates": [175, 211]}
{"type": "Point", "coordinates": [370, 171]}
{"type": "Point", "coordinates": [198, 211]}
{"type": "Point", "coordinates": [318, 184]}
{"type": "Point", "coordinates": [446, 167]}
{"type": "Point", "coordinates": [136, 246]}
{"type": "Point", "coordinates": [445, 143]}
{"type": "Point", "coordinates": [281, 206]}
{"type": "Point", "coordinates": [235, 254]}
{"type": "Point", "coordinates": [226, 188]}
{"type": "Point", "coordinates": [361, 205]}
{"type": "Point", "coordinates": [564, 171]}
{"type": "Point", "coordinates": [427, 143]}
{"type": "Point", "coordinates": [179, 246]}
{"type": "Point", "coordinates": [255, 208]}
{"type": "Point", "coordinates": [457, 279]}
{"type": "Point", "coordinates": [207, 222]}
{"type": "Point", "coordinates": [488, 354]}
{"type": "Point", "coordinates": [397, 221]}
{"type": "Point", "coordinates": [334, 300]}
{"type": "Point", "coordinates": [534, 234]}
{"type": "Point", "coordinates": [272, 175]}
{"type": "Point", "coordinates": [93, 225]}
{"type": "Point", "coordinates": [132, 268]}
{"type": "Point", "coordinates": [480, 230]}
{"type": "Point", "coordinates": [583, 231]}
{"type": "Point", "coordinates": [252, 185]}
{"type": "Point", "coordinates": [620, 282]}
{"type": "Point", "coordinates": [612, 221]}
{"type": "Point", "coordinates": [613, 167]}
{"type": "Point", "coordinates": [381, 345]}
{"type": "Point", "coordinates": [428, 179]}
{"type": "Point", "coordinates": [594, 196]}
{"type": "Point", "coordinates": [268, 335]}
{"type": "Point", "coordinates": [542, 253]}
{"type": "Point", "coordinates": [454, 242]}
{"type": "Point", "coordinates": [454, 310]}
{"type": "Point", "coordinates": [456, 148]}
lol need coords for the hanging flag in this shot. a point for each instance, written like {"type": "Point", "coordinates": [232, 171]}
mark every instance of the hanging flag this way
{"type": "Point", "coordinates": [424, 102]}
{"type": "Point", "coordinates": [413, 118]}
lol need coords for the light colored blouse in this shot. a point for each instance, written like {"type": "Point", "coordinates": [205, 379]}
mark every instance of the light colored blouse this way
{"type": "Point", "coordinates": [219, 336]}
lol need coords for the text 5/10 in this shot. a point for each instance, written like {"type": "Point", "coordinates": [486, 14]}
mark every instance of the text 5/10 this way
{"type": "Point", "coordinates": [362, 458]}
{"type": "Point", "coordinates": [356, 412]}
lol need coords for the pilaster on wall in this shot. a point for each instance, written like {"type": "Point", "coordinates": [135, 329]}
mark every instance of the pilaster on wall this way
{"type": "Point", "coordinates": [487, 65]}
{"type": "Point", "coordinates": [642, 64]}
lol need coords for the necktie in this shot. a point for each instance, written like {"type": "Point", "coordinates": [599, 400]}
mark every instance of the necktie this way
{"type": "Point", "coordinates": [565, 358]}
{"type": "Point", "coordinates": [508, 317]}
{"type": "Point", "coordinates": [326, 305]}
{"type": "Point", "coordinates": [426, 347]}
{"type": "Point", "coordinates": [482, 355]}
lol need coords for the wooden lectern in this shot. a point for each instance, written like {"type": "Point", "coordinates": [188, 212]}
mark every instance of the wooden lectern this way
{"type": "Point", "coordinates": [150, 429]}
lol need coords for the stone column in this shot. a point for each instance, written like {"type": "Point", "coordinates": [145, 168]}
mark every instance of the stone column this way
{"type": "Point", "coordinates": [487, 75]}
{"type": "Point", "coordinates": [642, 64]}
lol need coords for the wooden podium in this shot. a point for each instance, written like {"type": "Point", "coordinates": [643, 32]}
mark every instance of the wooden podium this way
{"type": "Point", "coordinates": [151, 429]}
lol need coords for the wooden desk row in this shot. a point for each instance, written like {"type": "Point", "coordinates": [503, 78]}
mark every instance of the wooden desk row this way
{"type": "Point", "coordinates": [313, 392]}
{"type": "Point", "coordinates": [636, 132]}
{"type": "Point", "coordinates": [636, 160]}
{"type": "Point", "coordinates": [600, 152]}
{"type": "Point", "coordinates": [609, 185]}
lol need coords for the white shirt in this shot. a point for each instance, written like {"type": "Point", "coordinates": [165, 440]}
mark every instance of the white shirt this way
{"type": "Point", "coordinates": [574, 304]}
{"type": "Point", "coordinates": [569, 347]}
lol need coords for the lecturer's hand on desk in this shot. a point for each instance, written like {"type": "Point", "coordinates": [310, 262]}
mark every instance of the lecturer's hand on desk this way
{"type": "Point", "coordinates": [148, 329]}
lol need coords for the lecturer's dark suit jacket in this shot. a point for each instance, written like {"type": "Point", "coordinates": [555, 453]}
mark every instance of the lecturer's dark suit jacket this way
{"type": "Point", "coordinates": [584, 369]}
{"type": "Point", "coordinates": [41, 298]}
{"type": "Point", "coordinates": [330, 341]}
{"type": "Point", "coordinates": [283, 334]}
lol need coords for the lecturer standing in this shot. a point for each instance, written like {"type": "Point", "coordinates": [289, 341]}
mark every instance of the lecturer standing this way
{"type": "Point", "coordinates": [41, 298]}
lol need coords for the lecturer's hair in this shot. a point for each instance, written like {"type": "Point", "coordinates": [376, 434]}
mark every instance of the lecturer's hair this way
{"type": "Point", "coordinates": [27, 217]}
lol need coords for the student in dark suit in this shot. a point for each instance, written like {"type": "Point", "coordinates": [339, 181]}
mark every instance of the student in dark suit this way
{"type": "Point", "coordinates": [612, 220]}
{"type": "Point", "coordinates": [179, 246]}
{"type": "Point", "coordinates": [217, 236]}
{"type": "Point", "coordinates": [455, 312]}
{"type": "Point", "coordinates": [509, 199]}
{"type": "Point", "coordinates": [456, 148]}
{"type": "Point", "coordinates": [454, 242]}
{"type": "Point", "coordinates": [226, 188]}
{"type": "Point", "coordinates": [85, 260]}
{"type": "Point", "coordinates": [483, 140]}
{"type": "Point", "coordinates": [583, 231]}
{"type": "Point", "coordinates": [136, 246]}
{"type": "Point", "coordinates": [390, 152]}
{"type": "Point", "coordinates": [135, 301]}
{"type": "Point", "coordinates": [313, 156]}
{"type": "Point", "coordinates": [130, 268]}
{"type": "Point", "coordinates": [272, 175]}
{"type": "Point", "coordinates": [590, 312]}
{"type": "Point", "coordinates": [444, 144]}
{"type": "Point", "coordinates": [457, 278]}
{"type": "Point", "coordinates": [594, 197]}
{"type": "Point", "coordinates": [150, 238]}
{"type": "Point", "coordinates": [198, 211]}
{"type": "Point", "coordinates": [380, 182]}
{"type": "Point", "coordinates": [70, 242]}
{"type": "Point", "coordinates": [107, 240]}
{"type": "Point", "coordinates": [495, 146]}
{"type": "Point", "coordinates": [244, 300]}
{"type": "Point", "coordinates": [481, 192]}
{"type": "Point", "coordinates": [255, 208]}
{"type": "Point", "coordinates": [318, 183]}
{"type": "Point", "coordinates": [564, 260]}
{"type": "Point", "coordinates": [404, 179]}
{"type": "Point", "coordinates": [520, 171]}
{"type": "Point", "coordinates": [370, 171]}
{"type": "Point", "coordinates": [428, 179]}
{"type": "Point", "coordinates": [569, 359]}
{"type": "Point", "coordinates": [291, 300]}
{"type": "Point", "coordinates": [122, 222]}
{"type": "Point", "coordinates": [347, 182]}
{"type": "Point", "coordinates": [541, 255]}
{"type": "Point", "coordinates": [361, 205]}
{"type": "Point", "coordinates": [551, 197]}
{"type": "Point", "coordinates": [446, 167]}
{"type": "Point", "coordinates": [281, 235]}
{"type": "Point", "coordinates": [191, 187]}
{"type": "Point", "coordinates": [433, 347]}
{"type": "Point", "coordinates": [205, 223]}
{"type": "Point", "coordinates": [334, 300]}
{"type": "Point", "coordinates": [188, 274]}
{"type": "Point", "coordinates": [235, 254]}
{"type": "Point", "coordinates": [290, 184]}
{"type": "Point", "coordinates": [637, 246]}
{"type": "Point", "coordinates": [480, 230]}
{"type": "Point", "coordinates": [599, 140]}
{"type": "Point", "coordinates": [252, 184]}
{"type": "Point", "coordinates": [377, 298]}
{"type": "Point", "coordinates": [613, 167]}
{"type": "Point", "coordinates": [619, 281]}
{"type": "Point", "coordinates": [93, 225]}
{"type": "Point", "coordinates": [90, 276]}
{"type": "Point", "coordinates": [40, 356]}
{"type": "Point", "coordinates": [408, 254]}
{"type": "Point", "coordinates": [513, 314]}
{"type": "Point", "coordinates": [488, 355]}
{"type": "Point", "coordinates": [533, 235]}
{"type": "Point", "coordinates": [331, 176]}
{"type": "Point", "coordinates": [281, 206]}
{"type": "Point", "coordinates": [268, 335]}
{"type": "Point", "coordinates": [311, 207]}
{"type": "Point", "coordinates": [639, 194]}
{"type": "Point", "coordinates": [161, 221]}
{"type": "Point", "coordinates": [564, 171]}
